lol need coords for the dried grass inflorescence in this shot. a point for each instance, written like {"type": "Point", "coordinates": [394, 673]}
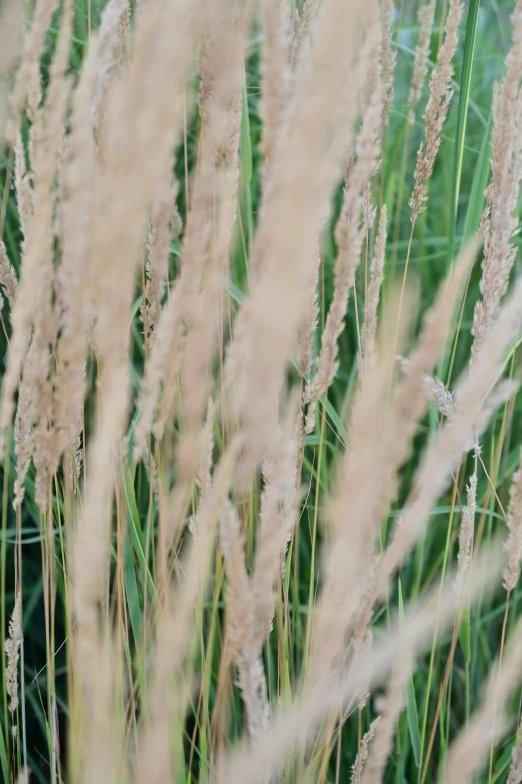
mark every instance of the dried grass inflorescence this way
{"type": "Point", "coordinates": [129, 285]}
{"type": "Point", "coordinates": [514, 541]}
{"type": "Point", "coordinates": [425, 17]}
{"type": "Point", "coordinates": [12, 652]}
{"type": "Point", "coordinates": [502, 194]}
{"type": "Point", "coordinates": [436, 110]}
{"type": "Point", "coordinates": [8, 279]}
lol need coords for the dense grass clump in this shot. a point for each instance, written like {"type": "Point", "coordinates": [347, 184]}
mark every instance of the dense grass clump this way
{"type": "Point", "coordinates": [260, 310]}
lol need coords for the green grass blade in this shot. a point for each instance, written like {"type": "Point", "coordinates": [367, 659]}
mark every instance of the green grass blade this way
{"type": "Point", "coordinates": [465, 85]}
{"type": "Point", "coordinates": [136, 535]}
{"type": "Point", "coordinates": [3, 757]}
{"type": "Point", "coordinates": [480, 181]}
{"type": "Point", "coordinates": [131, 589]}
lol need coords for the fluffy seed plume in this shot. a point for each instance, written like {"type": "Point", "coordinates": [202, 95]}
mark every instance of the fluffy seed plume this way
{"type": "Point", "coordinates": [374, 289]}
{"type": "Point", "coordinates": [503, 191]}
{"type": "Point", "coordinates": [381, 432]}
{"type": "Point", "coordinates": [251, 600]}
{"type": "Point", "coordinates": [264, 336]}
{"type": "Point", "coordinates": [425, 17]}
{"type": "Point", "coordinates": [8, 279]}
{"type": "Point", "coordinates": [349, 237]}
{"type": "Point", "coordinates": [277, 74]}
{"type": "Point", "coordinates": [513, 544]}
{"type": "Point", "coordinates": [393, 706]}
{"type": "Point", "coordinates": [362, 756]}
{"type": "Point", "coordinates": [12, 650]}
{"type": "Point", "coordinates": [388, 57]}
{"type": "Point", "coordinates": [308, 328]}
{"type": "Point", "coordinates": [436, 109]}
{"type": "Point", "coordinates": [467, 528]}
{"type": "Point", "coordinates": [441, 396]}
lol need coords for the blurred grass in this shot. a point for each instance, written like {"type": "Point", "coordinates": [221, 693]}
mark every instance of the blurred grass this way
{"type": "Point", "coordinates": [453, 214]}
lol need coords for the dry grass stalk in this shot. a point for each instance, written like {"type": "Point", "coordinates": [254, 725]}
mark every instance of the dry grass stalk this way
{"type": "Point", "coordinates": [204, 321]}
{"type": "Point", "coordinates": [186, 330]}
{"type": "Point", "coordinates": [467, 529]}
{"type": "Point", "coordinates": [23, 189]}
{"type": "Point", "coordinates": [362, 639]}
{"type": "Point", "coordinates": [380, 431]}
{"type": "Point", "coordinates": [425, 18]}
{"type": "Point", "coordinates": [276, 75]}
{"type": "Point", "coordinates": [76, 282]}
{"type": "Point", "coordinates": [362, 756]}
{"type": "Point", "coordinates": [11, 34]}
{"type": "Point", "coordinates": [308, 328]}
{"type": "Point", "coordinates": [441, 396]}
{"type": "Point", "coordinates": [27, 86]}
{"type": "Point", "coordinates": [101, 237]}
{"type": "Point", "coordinates": [164, 43]}
{"type": "Point", "coordinates": [265, 333]}
{"type": "Point", "coordinates": [373, 77]}
{"type": "Point", "coordinates": [11, 40]}
{"type": "Point", "coordinates": [374, 289]}
{"type": "Point", "coordinates": [370, 413]}
{"type": "Point", "coordinates": [165, 225]}
{"type": "Point", "coordinates": [153, 55]}
{"type": "Point", "coordinates": [168, 693]}
{"type": "Point", "coordinates": [12, 651]}
{"type": "Point", "coordinates": [456, 438]}
{"type": "Point", "coordinates": [393, 706]}
{"type": "Point", "coordinates": [349, 237]}
{"type": "Point", "coordinates": [24, 434]}
{"type": "Point", "coordinates": [104, 732]}
{"type": "Point", "coordinates": [299, 722]}
{"type": "Point", "coordinates": [499, 222]}
{"type": "Point", "coordinates": [112, 54]}
{"type": "Point", "coordinates": [277, 520]}
{"type": "Point", "coordinates": [247, 658]}
{"type": "Point", "coordinates": [450, 444]}
{"type": "Point", "coordinates": [388, 57]}
{"type": "Point", "coordinates": [204, 478]}
{"type": "Point", "coordinates": [204, 474]}
{"type": "Point", "coordinates": [436, 109]}
{"type": "Point", "coordinates": [503, 190]}
{"type": "Point", "coordinates": [514, 540]}
{"type": "Point", "coordinates": [251, 601]}
{"type": "Point", "coordinates": [33, 318]}
{"type": "Point", "coordinates": [515, 769]}
{"type": "Point", "coordinates": [8, 279]}
{"type": "Point", "coordinates": [470, 749]}
{"type": "Point", "coordinates": [304, 25]}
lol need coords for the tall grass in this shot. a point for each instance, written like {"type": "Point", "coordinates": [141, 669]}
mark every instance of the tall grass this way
{"type": "Point", "coordinates": [259, 433]}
